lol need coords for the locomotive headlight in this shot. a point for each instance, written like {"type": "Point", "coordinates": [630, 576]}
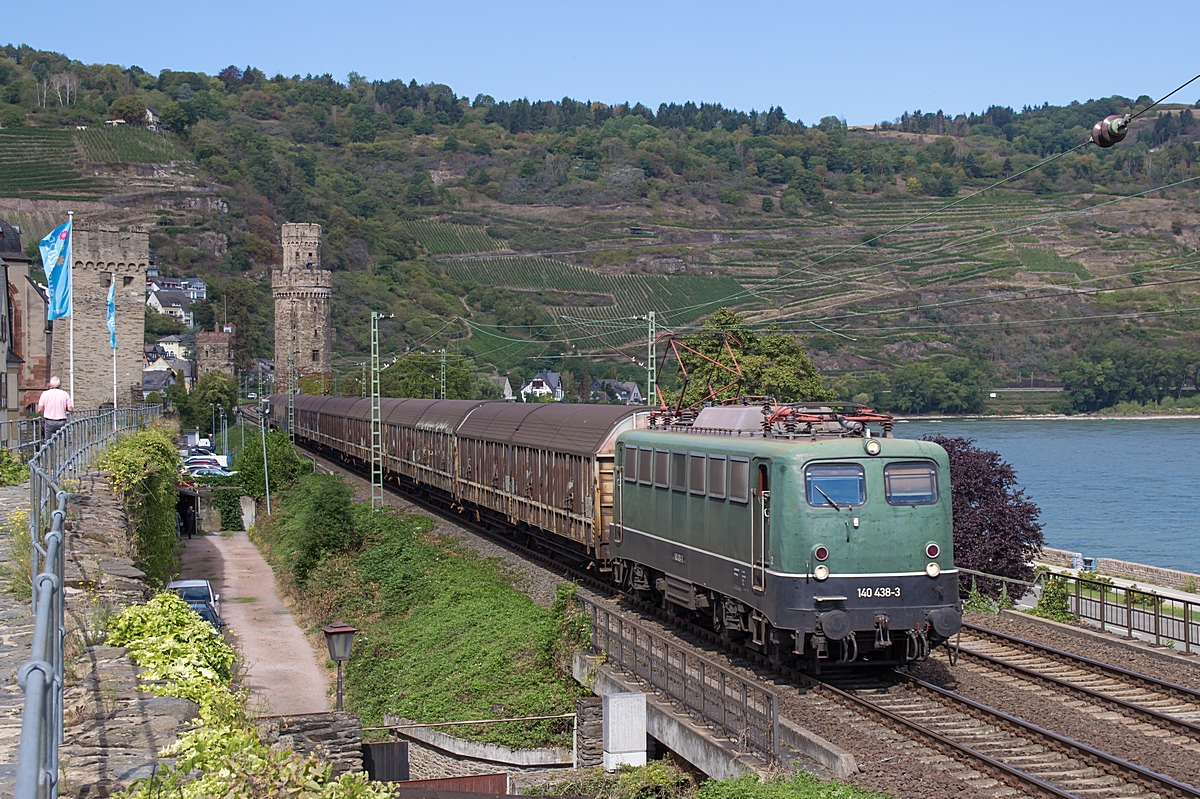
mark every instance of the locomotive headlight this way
{"type": "Point", "coordinates": [822, 571]}
{"type": "Point", "coordinates": [933, 570]}
{"type": "Point", "coordinates": [872, 446]}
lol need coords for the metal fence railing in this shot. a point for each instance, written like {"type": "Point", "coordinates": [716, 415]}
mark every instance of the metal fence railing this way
{"type": "Point", "coordinates": [742, 709]}
{"type": "Point", "coordinates": [1166, 620]}
{"type": "Point", "coordinates": [53, 470]}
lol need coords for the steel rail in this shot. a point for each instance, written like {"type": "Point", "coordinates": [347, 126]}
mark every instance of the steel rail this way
{"type": "Point", "coordinates": [977, 709]}
{"type": "Point", "coordinates": [946, 744]}
{"type": "Point", "coordinates": [1096, 665]}
{"type": "Point", "coordinates": [1161, 719]}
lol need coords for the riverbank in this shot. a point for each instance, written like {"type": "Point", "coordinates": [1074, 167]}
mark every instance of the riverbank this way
{"type": "Point", "coordinates": [1052, 417]}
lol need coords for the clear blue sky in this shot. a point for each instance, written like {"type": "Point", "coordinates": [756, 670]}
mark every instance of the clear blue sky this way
{"type": "Point", "coordinates": [863, 61]}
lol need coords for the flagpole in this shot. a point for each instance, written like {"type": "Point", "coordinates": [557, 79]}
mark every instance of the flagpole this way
{"type": "Point", "coordinates": [71, 296]}
{"type": "Point", "coordinates": [114, 351]}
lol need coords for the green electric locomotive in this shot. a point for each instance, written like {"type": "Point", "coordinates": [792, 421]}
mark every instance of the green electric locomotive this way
{"type": "Point", "coordinates": [793, 528]}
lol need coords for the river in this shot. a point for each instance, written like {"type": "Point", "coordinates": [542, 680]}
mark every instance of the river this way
{"type": "Point", "coordinates": [1125, 488]}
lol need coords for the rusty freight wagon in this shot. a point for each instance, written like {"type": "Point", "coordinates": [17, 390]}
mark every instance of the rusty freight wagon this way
{"type": "Point", "coordinates": [539, 467]}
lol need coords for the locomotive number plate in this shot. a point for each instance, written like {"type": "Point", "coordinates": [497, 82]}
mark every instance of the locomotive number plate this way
{"type": "Point", "coordinates": [882, 591]}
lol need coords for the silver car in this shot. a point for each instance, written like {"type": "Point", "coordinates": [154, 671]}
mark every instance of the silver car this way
{"type": "Point", "coordinates": [196, 591]}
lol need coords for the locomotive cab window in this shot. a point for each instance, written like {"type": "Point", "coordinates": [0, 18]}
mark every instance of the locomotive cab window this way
{"type": "Point", "coordinates": [716, 476]}
{"type": "Point", "coordinates": [661, 467]}
{"type": "Point", "coordinates": [910, 483]}
{"type": "Point", "coordinates": [630, 464]}
{"type": "Point", "coordinates": [679, 471]}
{"type": "Point", "coordinates": [645, 471]}
{"type": "Point", "coordinates": [696, 474]}
{"type": "Point", "coordinates": [739, 479]}
{"type": "Point", "coordinates": [835, 484]}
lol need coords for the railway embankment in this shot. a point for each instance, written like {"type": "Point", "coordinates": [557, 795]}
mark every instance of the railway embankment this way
{"type": "Point", "coordinates": [445, 633]}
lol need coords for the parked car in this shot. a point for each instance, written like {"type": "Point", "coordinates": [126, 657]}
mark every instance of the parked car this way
{"type": "Point", "coordinates": [209, 471]}
{"type": "Point", "coordinates": [197, 460]}
{"type": "Point", "coordinates": [209, 614]}
{"type": "Point", "coordinates": [252, 395]}
{"type": "Point", "coordinates": [196, 592]}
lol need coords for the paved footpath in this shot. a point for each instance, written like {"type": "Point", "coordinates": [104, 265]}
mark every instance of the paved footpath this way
{"type": "Point", "coordinates": [280, 666]}
{"type": "Point", "coordinates": [16, 633]}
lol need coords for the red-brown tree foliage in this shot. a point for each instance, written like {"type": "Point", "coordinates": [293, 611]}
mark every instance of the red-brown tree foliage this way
{"type": "Point", "coordinates": [996, 528]}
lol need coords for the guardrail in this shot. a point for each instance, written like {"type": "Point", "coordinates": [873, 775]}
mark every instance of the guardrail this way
{"type": "Point", "coordinates": [1166, 620]}
{"type": "Point", "coordinates": [52, 469]}
{"type": "Point", "coordinates": [742, 709]}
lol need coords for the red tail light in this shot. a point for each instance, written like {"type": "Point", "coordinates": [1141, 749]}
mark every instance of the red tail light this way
{"type": "Point", "coordinates": [932, 550]}
{"type": "Point", "coordinates": [821, 553]}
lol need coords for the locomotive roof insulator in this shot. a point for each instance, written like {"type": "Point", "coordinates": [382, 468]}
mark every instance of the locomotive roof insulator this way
{"type": "Point", "coordinates": [1111, 130]}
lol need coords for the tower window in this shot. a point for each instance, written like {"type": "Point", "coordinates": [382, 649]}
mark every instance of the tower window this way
{"type": "Point", "coordinates": [316, 355]}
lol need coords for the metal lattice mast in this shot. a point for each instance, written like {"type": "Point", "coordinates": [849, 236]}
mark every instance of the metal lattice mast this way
{"type": "Point", "coordinates": [651, 364]}
{"type": "Point", "coordinates": [376, 425]}
{"type": "Point", "coordinates": [443, 373]}
{"type": "Point", "coordinates": [363, 383]}
{"type": "Point", "coordinates": [291, 385]}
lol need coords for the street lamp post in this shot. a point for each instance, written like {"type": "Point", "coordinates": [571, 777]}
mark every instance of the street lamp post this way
{"type": "Point", "coordinates": [339, 637]}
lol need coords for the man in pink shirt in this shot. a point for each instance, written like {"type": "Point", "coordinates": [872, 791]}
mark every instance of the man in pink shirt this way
{"type": "Point", "coordinates": [54, 405]}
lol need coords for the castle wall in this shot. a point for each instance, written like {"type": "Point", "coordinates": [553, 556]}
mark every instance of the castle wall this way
{"type": "Point", "coordinates": [97, 251]}
{"type": "Point", "coordinates": [301, 289]}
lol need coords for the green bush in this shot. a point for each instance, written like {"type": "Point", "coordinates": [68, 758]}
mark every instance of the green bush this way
{"type": "Point", "coordinates": [12, 471]}
{"type": "Point", "coordinates": [1055, 602]}
{"type": "Point", "coordinates": [16, 570]}
{"type": "Point", "coordinates": [183, 656]}
{"type": "Point", "coordinates": [227, 500]}
{"type": "Point", "coordinates": [143, 468]}
{"type": "Point", "coordinates": [321, 521]}
{"type": "Point", "coordinates": [282, 461]}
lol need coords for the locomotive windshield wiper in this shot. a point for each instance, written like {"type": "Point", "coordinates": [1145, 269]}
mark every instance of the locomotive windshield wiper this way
{"type": "Point", "coordinates": [827, 499]}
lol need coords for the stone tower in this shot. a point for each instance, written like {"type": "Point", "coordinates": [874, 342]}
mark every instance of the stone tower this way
{"type": "Point", "coordinates": [214, 351]}
{"type": "Point", "coordinates": [302, 322]}
{"type": "Point", "coordinates": [99, 254]}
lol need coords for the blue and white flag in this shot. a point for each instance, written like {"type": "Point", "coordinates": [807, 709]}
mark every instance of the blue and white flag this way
{"type": "Point", "coordinates": [58, 271]}
{"type": "Point", "coordinates": [110, 318]}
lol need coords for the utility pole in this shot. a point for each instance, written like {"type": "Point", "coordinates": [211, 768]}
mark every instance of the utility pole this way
{"type": "Point", "coordinates": [443, 373]}
{"type": "Point", "coordinates": [651, 365]}
{"type": "Point", "coordinates": [376, 420]}
{"type": "Point", "coordinates": [262, 426]}
{"type": "Point", "coordinates": [291, 384]}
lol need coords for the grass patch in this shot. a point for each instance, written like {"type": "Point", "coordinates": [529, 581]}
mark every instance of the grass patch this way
{"type": "Point", "coordinates": [1043, 259]}
{"type": "Point", "coordinates": [445, 635]}
{"type": "Point", "coordinates": [15, 569]}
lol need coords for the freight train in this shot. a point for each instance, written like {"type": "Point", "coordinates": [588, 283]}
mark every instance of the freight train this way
{"type": "Point", "coordinates": [806, 532]}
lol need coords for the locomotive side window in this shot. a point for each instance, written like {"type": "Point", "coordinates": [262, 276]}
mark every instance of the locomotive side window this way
{"type": "Point", "coordinates": [679, 471]}
{"type": "Point", "coordinates": [630, 464]}
{"type": "Point", "coordinates": [662, 463]}
{"type": "Point", "coordinates": [696, 476]}
{"type": "Point", "coordinates": [910, 483]}
{"type": "Point", "coordinates": [835, 484]}
{"type": "Point", "coordinates": [739, 479]}
{"type": "Point", "coordinates": [645, 472]}
{"type": "Point", "coordinates": [716, 476]}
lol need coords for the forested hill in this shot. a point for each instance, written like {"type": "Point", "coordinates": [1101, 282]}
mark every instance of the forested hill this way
{"type": "Point", "coordinates": [526, 235]}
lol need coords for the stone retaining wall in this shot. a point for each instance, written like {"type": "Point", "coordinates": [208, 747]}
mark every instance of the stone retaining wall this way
{"type": "Point", "coordinates": [1126, 570]}
{"type": "Point", "coordinates": [335, 737]}
{"type": "Point", "coordinates": [589, 731]}
{"type": "Point", "coordinates": [114, 727]}
{"type": "Point", "coordinates": [1154, 575]}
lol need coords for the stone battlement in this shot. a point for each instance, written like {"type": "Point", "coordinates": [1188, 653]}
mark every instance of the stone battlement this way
{"type": "Point", "coordinates": [302, 290]}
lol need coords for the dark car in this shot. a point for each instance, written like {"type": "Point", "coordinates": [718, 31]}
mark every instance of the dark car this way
{"type": "Point", "coordinates": [206, 612]}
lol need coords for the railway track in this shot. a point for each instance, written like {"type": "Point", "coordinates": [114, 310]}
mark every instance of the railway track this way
{"type": "Point", "coordinates": [1165, 705]}
{"type": "Point", "coordinates": [1030, 760]}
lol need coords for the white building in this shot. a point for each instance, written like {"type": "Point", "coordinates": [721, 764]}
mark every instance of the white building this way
{"type": "Point", "coordinates": [543, 384]}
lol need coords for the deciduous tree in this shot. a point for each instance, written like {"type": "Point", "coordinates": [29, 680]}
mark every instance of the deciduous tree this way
{"type": "Point", "coordinates": [996, 527]}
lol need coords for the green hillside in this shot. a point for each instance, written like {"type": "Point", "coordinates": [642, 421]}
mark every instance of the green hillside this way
{"type": "Point", "coordinates": [550, 227]}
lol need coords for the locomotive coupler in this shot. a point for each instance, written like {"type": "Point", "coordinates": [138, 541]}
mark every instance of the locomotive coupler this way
{"type": "Point", "coordinates": [849, 649]}
{"type": "Point", "coordinates": [883, 636]}
{"type": "Point", "coordinates": [821, 646]}
{"type": "Point", "coordinates": [918, 644]}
